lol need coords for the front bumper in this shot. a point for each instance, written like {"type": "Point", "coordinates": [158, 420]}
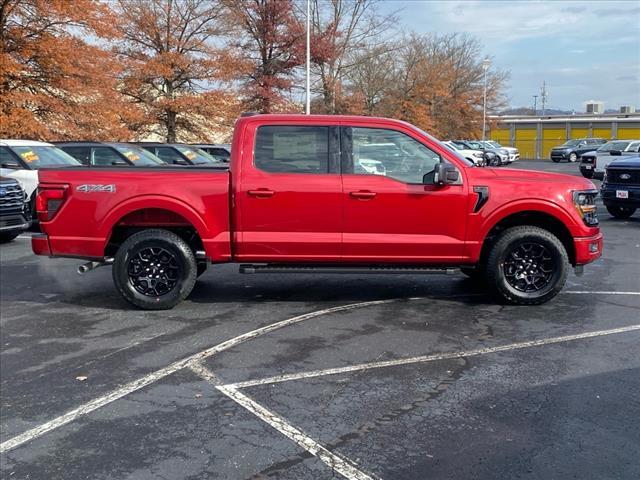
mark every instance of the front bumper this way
{"type": "Point", "coordinates": [559, 155]}
{"type": "Point", "coordinates": [14, 223]}
{"type": "Point", "coordinates": [610, 197]}
{"type": "Point", "coordinates": [588, 249]}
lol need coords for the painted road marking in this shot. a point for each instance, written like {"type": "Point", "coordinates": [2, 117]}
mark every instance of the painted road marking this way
{"type": "Point", "coordinates": [430, 358]}
{"type": "Point", "coordinates": [599, 292]}
{"type": "Point", "coordinates": [146, 380]}
{"type": "Point", "coordinates": [153, 377]}
{"type": "Point", "coordinates": [337, 463]}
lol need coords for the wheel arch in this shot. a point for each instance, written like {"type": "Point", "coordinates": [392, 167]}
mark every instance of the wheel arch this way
{"type": "Point", "coordinates": [152, 212]}
{"type": "Point", "coordinates": [550, 221]}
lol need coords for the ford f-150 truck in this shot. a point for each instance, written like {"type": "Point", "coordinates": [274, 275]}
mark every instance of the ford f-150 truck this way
{"type": "Point", "coordinates": [295, 198]}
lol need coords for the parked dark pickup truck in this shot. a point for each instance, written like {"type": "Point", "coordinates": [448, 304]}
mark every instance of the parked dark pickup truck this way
{"type": "Point", "coordinates": [301, 195]}
{"type": "Point", "coordinates": [621, 187]}
{"type": "Point", "coordinates": [15, 216]}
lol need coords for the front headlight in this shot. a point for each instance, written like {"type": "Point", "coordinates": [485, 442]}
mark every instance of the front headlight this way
{"type": "Point", "coordinates": [477, 154]}
{"type": "Point", "coordinates": [585, 203]}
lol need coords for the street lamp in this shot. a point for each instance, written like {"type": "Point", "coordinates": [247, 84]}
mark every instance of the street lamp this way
{"type": "Point", "coordinates": [485, 66]}
{"type": "Point", "coordinates": [307, 109]}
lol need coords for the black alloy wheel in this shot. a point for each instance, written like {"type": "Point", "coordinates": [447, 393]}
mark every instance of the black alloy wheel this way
{"type": "Point", "coordinates": [528, 267]}
{"type": "Point", "coordinates": [154, 269]}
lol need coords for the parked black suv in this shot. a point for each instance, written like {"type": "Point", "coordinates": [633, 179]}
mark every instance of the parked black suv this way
{"type": "Point", "coordinates": [620, 189]}
{"type": "Point", "coordinates": [109, 153]}
{"type": "Point", "coordinates": [572, 149]}
{"type": "Point", "coordinates": [179, 154]}
{"type": "Point", "coordinates": [15, 216]}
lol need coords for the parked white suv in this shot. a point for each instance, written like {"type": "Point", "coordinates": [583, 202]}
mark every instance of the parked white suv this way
{"type": "Point", "coordinates": [21, 159]}
{"type": "Point", "coordinates": [514, 153]}
{"type": "Point", "coordinates": [476, 156]}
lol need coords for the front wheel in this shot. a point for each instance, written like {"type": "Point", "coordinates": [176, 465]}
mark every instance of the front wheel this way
{"type": "Point", "coordinates": [154, 269]}
{"type": "Point", "coordinates": [8, 237]}
{"type": "Point", "coordinates": [573, 157]}
{"type": "Point", "coordinates": [621, 212]}
{"type": "Point", "coordinates": [527, 266]}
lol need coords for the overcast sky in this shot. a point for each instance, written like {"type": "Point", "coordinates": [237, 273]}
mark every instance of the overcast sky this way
{"type": "Point", "coordinates": [585, 50]}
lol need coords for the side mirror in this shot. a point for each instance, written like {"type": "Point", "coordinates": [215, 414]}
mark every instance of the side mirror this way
{"type": "Point", "coordinates": [445, 174]}
{"type": "Point", "coordinates": [11, 165]}
{"type": "Point", "coordinates": [615, 153]}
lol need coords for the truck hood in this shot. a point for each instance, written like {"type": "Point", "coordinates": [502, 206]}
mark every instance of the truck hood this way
{"type": "Point", "coordinates": [530, 176]}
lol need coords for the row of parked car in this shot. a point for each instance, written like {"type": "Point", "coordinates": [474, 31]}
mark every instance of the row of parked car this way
{"type": "Point", "coordinates": [21, 159]}
{"type": "Point", "coordinates": [594, 154]}
{"type": "Point", "coordinates": [615, 162]}
{"type": "Point", "coordinates": [484, 153]}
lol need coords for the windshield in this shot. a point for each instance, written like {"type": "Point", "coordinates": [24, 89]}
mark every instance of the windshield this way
{"type": "Point", "coordinates": [607, 147]}
{"type": "Point", "coordinates": [138, 156]}
{"type": "Point", "coordinates": [44, 156]}
{"type": "Point", "coordinates": [197, 156]}
{"type": "Point", "coordinates": [476, 145]}
{"type": "Point", "coordinates": [493, 144]}
{"type": "Point", "coordinates": [571, 143]}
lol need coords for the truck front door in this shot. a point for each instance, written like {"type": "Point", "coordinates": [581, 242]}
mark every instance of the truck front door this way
{"type": "Point", "coordinates": [390, 214]}
{"type": "Point", "coordinates": [288, 202]}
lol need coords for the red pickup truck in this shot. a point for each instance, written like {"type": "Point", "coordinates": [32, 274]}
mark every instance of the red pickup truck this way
{"type": "Point", "coordinates": [322, 194]}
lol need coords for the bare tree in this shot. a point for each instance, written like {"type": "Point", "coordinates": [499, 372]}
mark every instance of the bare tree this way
{"type": "Point", "coordinates": [341, 28]}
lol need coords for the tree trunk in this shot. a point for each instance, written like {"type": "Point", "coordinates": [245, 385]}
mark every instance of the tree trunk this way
{"type": "Point", "coordinates": [171, 126]}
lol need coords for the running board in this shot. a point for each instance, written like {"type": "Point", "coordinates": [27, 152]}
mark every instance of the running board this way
{"type": "Point", "coordinates": [267, 268]}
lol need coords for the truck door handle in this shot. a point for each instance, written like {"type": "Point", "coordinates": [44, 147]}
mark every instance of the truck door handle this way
{"type": "Point", "coordinates": [362, 194]}
{"type": "Point", "coordinates": [261, 193]}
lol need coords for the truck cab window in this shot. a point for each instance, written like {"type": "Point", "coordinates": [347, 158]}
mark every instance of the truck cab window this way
{"type": "Point", "coordinates": [292, 149]}
{"type": "Point", "coordinates": [376, 151]}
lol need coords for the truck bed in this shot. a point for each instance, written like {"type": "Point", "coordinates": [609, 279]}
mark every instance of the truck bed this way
{"type": "Point", "coordinates": [97, 200]}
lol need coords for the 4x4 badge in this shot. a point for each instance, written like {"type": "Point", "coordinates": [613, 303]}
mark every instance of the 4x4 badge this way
{"type": "Point", "coordinates": [96, 188]}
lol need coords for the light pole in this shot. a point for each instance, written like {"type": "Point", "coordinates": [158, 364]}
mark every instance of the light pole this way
{"type": "Point", "coordinates": [308, 106]}
{"type": "Point", "coordinates": [485, 66]}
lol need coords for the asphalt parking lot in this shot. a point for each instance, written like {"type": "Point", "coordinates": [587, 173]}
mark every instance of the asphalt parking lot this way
{"type": "Point", "coordinates": [321, 376]}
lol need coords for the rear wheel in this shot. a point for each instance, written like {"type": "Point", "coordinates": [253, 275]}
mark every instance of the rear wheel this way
{"type": "Point", "coordinates": [621, 212]}
{"type": "Point", "coordinates": [527, 266]}
{"type": "Point", "coordinates": [154, 269]}
{"type": "Point", "coordinates": [573, 157]}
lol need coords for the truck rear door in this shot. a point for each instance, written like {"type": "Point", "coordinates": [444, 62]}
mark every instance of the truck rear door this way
{"type": "Point", "coordinates": [288, 201]}
{"type": "Point", "coordinates": [390, 215]}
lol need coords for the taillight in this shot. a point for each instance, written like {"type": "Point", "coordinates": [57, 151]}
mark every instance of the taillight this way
{"type": "Point", "coordinates": [49, 200]}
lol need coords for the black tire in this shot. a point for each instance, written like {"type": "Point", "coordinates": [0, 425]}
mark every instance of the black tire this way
{"type": "Point", "coordinates": [161, 251]}
{"type": "Point", "coordinates": [573, 157]}
{"type": "Point", "coordinates": [555, 160]}
{"type": "Point", "coordinates": [621, 212]}
{"type": "Point", "coordinates": [548, 268]}
{"type": "Point", "coordinates": [8, 237]}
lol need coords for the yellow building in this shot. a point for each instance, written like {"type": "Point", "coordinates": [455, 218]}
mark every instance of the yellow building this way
{"type": "Point", "coordinates": [535, 136]}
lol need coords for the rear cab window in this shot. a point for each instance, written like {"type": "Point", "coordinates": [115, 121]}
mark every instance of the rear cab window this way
{"type": "Point", "coordinates": [292, 149]}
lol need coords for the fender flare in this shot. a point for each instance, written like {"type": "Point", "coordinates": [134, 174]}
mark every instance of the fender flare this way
{"type": "Point", "coordinates": [145, 202]}
{"type": "Point", "coordinates": [529, 205]}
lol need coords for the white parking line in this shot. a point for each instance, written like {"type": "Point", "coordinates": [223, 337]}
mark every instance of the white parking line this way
{"type": "Point", "coordinates": [146, 380]}
{"type": "Point", "coordinates": [599, 292]}
{"type": "Point", "coordinates": [429, 358]}
{"type": "Point", "coordinates": [344, 467]}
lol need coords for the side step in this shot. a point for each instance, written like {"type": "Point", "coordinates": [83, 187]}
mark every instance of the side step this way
{"type": "Point", "coordinates": [268, 268]}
